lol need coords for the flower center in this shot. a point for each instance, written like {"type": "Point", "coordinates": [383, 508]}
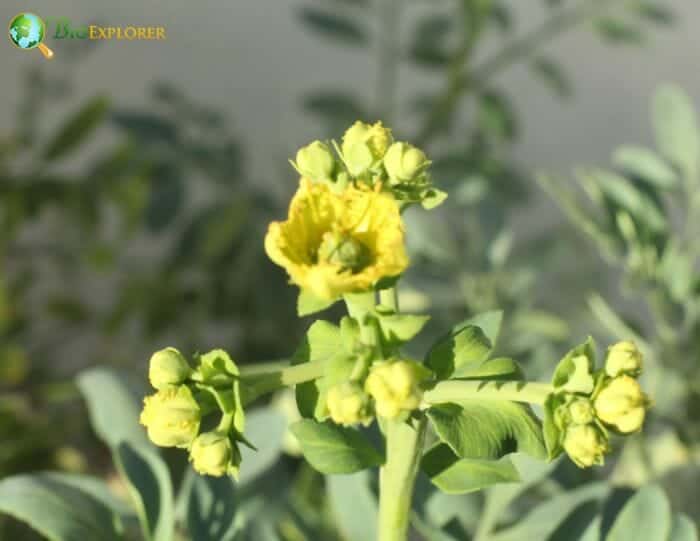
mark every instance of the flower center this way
{"type": "Point", "coordinates": [343, 250]}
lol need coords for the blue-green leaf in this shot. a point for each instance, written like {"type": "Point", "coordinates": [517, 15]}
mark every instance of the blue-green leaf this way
{"type": "Point", "coordinates": [488, 429]}
{"type": "Point", "coordinates": [354, 505]}
{"type": "Point", "coordinates": [150, 487]}
{"type": "Point", "coordinates": [676, 128]}
{"type": "Point", "coordinates": [646, 165]}
{"type": "Point", "coordinates": [330, 448]}
{"type": "Point", "coordinates": [58, 510]}
{"type": "Point", "coordinates": [645, 517]}
{"type": "Point", "coordinates": [453, 475]}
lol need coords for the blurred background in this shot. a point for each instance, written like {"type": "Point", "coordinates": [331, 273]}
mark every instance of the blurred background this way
{"type": "Point", "coordinates": [137, 180]}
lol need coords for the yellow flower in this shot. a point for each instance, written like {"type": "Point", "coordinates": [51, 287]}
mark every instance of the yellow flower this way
{"type": "Point", "coordinates": [332, 244]}
{"type": "Point", "coordinates": [171, 417]}
{"type": "Point", "coordinates": [211, 454]}
{"type": "Point", "coordinates": [348, 404]}
{"type": "Point", "coordinates": [364, 146]}
{"type": "Point", "coordinates": [168, 367]}
{"type": "Point", "coordinates": [586, 445]}
{"type": "Point", "coordinates": [622, 404]}
{"type": "Point", "coordinates": [623, 358]}
{"type": "Point", "coordinates": [394, 385]}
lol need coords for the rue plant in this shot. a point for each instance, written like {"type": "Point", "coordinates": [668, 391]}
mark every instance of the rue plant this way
{"type": "Point", "coordinates": [456, 413]}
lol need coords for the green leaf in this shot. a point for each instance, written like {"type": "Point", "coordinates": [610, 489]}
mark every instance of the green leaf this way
{"type": "Point", "coordinates": [265, 429]}
{"type": "Point", "coordinates": [308, 304]}
{"type": "Point", "coordinates": [453, 475]}
{"type": "Point", "coordinates": [166, 198]}
{"type": "Point", "coordinates": [488, 429]}
{"type": "Point", "coordinates": [544, 519]}
{"type": "Point", "coordinates": [333, 26]}
{"type": "Point", "coordinates": [488, 322]}
{"type": "Point", "coordinates": [210, 507]}
{"type": "Point", "coordinates": [676, 129]}
{"type": "Point", "coordinates": [552, 434]}
{"type": "Point", "coordinates": [334, 449]}
{"type": "Point", "coordinates": [95, 487]}
{"type": "Point", "coordinates": [400, 328]}
{"type": "Point", "coordinates": [469, 345]}
{"type": "Point", "coordinates": [645, 517]}
{"type": "Point", "coordinates": [319, 345]}
{"type": "Point", "coordinates": [574, 372]}
{"type": "Point", "coordinates": [623, 193]}
{"type": "Point", "coordinates": [683, 529]}
{"type": "Point", "coordinates": [646, 165]}
{"type": "Point", "coordinates": [354, 505]}
{"type": "Point", "coordinates": [58, 510]}
{"type": "Point", "coordinates": [148, 480]}
{"type": "Point", "coordinates": [552, 74]}
{"type": "Point", "coordinates": [102, 389]}
{"type": "Point", "coordinates": [496, 116]}
{"type": "Point", "coordinates": [78, 128]}
{"type": "Point", "coordinates": [501, 368]}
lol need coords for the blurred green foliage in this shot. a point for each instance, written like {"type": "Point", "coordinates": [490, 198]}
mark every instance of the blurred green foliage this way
{"type": "Point", "coordinates": [125, 230]}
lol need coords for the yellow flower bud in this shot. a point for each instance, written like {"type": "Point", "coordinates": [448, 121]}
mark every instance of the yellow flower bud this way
{"type": "Point", "coordinates": [622, 404]}
{"type": "Point", "coordinates": [394, 385]}
{"type": "Point", "coordinates": [623, 358]}
{"type": "Point", "coordinates": [168, 367]}
{"type": "Point", "coordinates": [315, 161]}
{"type": "Point", "coordinates": [348, 404]}
{"type": "Point", "coordinates": [171, 417]}
{"type": "Point", "coordinates": [364, 146]}
{"type": "Point", "coordinates": [581, 411]}
{"type": "Point", "coordinates": [404, 162]}
{"type": "Point", "coordinates": [211, 453]}
{"type": "Point", "coordinates": [586, 445]}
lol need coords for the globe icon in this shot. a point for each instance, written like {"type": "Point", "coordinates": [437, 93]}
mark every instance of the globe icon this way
{"type": "Point", "coordinates": [27, 31]}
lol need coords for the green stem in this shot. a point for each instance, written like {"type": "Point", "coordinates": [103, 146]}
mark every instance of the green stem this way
{"type": "Point", "coordinates": [515, 391]}
{"type": "Point", "coordinates": [389, 298]}
{"type": "Point", "coordinates": [256, 385]}
{"type": "Point", "coordinates": [404, 446]}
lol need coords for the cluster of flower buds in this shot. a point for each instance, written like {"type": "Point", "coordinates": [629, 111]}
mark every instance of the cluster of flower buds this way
{"type": "Point", "coordinates": [391, 390]}
{"type": "Point", "coordinates": [369, 155]}
{"type": "Point", "coordinates": [590, 405]}
{"type": "Point", "coordinates": [185, 398]}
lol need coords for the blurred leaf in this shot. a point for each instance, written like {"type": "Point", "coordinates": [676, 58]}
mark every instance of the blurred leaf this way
{"type": "Point", "coordinates": [645, 165]}
{"type": "Point", "coordinates": [501, 16]}
{"type": "Point", "coordinates": [148, 481]}
{"type": "Point", "coordinates": [167, 197]}
{"type": "Point", "coordinates": [683, 529]}
{"type": "Point", "coordinates": [453, 475]}
{"type": "Point", "coordinates": [146, 127]}
{"type": "Point", "coordinates": [59, 511]}
{"type": "Point", "coordinates": [330, 448]}
{"type": "Point", "coordinates": [265, 428]}
{"type": "Point", "coordinates": [544, 519]}
{"type": "Point", "coordinates": [354, 505]}
{"type": "Point", "coordinates": [68, 309]}
{"type": "Point", "coordinates": [552, 74]}
{"type": "Point", "coordinates": [77, 129]}
{"type": "Point", "coordinates": [645, 517]}
{"type": "Point", "coordinates": [102, 389]}
{"type": "Point", "coordinates": [676, 129]}
{"type": "Point", "coordinates": [496, 115]}
{"type": "Point", "coordinates": [488, 429]}
{"type": "Point", "coordinates": [654, 12]}
{"type": "Point", "coordinates": [617, 31]}
{"type": "Point", "coordinates": [333, 26]}
{"type": "Point", "coordinates": [428, 48]}
{"type": "Point", "coordinates": [210, 506]}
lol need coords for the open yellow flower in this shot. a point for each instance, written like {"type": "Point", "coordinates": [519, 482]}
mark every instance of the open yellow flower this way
{"type": "Point", "coordinates": [332, 244]}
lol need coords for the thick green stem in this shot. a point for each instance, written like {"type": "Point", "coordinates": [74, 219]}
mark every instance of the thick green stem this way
{"type": "Point", "coordinates": [515, 391]}
{"type": "Point", "coordinates": [257, 384]}
{"type": "Point", "coordinates": [389, 298]}
{"type": "Point", "coordinates": [404, 446]}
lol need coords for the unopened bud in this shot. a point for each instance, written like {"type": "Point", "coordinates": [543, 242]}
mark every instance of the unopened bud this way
{"type": "Point", "coordinates": [315, 161]}
{"type": "Point", "coordinates": [395, 387]}
{"type": "Point", "coordinates": [404, 162]}
{"type": "Point", "coordinates": [168, 367]}
{"type": "Point", "coordinates": [211, 453]}
{"type": "Point", "coordinates": [171, 417]}
{"type": "Point", "coordinates": [623, 358]}
{"type": "Point", "coordinates": [348, 404]}
{"type": "Point", "coordinates": [365, 145]}
{"type": "Point", "coordinates": [586, 445]}
{"type": "Point", "coordinates": [621, 404]}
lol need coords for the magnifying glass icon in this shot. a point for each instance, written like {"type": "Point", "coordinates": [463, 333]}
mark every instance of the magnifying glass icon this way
{"type": "Point", "coordinates": [27, 31]}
